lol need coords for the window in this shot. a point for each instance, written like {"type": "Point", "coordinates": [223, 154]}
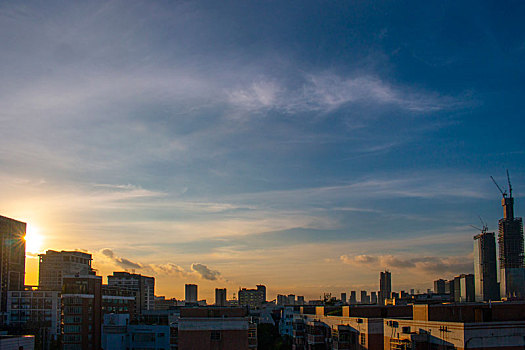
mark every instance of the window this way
{"type": "Point", "coordinates": [72, 329]}
{"type": "Point", "coordinates": [363, 339]}
{"type": "Point", "coordinates": [215, 335]}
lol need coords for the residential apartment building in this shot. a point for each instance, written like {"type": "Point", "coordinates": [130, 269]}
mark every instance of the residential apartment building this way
{"type": "Point", "coordinates": [82, 312]}
{"type": "Point", "coordinates": [53, 266]}
{"type": "Point", "coordinates": [254, 298]}
{"type": "Point", "coordinates": [143, 286]}
{"type": "Point", "coordinates": [36, 312]}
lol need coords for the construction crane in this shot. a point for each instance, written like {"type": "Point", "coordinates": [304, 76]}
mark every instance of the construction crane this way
{"type": "Point", "coordinates": [510, 186]}
{"type": "Point", "coordinates": [484, 225]}
{"type": "Point", "coordinates": [482, 230]}
{"type": "Point", "coordinates": [503, 193]}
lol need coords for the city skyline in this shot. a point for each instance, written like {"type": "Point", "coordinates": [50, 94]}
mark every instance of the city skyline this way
{"type": "Point", "coordinates": [242, 144]}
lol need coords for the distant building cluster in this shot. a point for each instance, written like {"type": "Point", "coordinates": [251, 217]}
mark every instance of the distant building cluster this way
{"type": "Point", "coordinates": [71, 308]}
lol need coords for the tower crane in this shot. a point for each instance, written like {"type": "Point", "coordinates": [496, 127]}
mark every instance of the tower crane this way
{"type": "Point", "coordinates": [510, 186]}
{"type": "Point", "coordinates": [503, 193]}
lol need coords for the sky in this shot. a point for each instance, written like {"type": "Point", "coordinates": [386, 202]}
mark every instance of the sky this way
{"type": "Point", "coordinates": [304, 145]}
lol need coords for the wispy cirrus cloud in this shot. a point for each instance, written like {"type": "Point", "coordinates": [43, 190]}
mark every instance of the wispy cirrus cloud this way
{"type": "Point", "coordinates": [326, 91]}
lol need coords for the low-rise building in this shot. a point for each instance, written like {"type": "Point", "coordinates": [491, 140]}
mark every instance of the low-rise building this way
{"type": "Point", "coordinates": [37, 312]}
{"type": "Point", "coordinates": [439, 326]}
{"type": "Point", "coordinates": [17, 342]}
{"type": "Point", "coordinates": [216, 328]}
{"type": "Point", "coordinates": [118, 333]}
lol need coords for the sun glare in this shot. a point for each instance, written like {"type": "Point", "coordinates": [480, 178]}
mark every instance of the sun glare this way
{"type": "Point", "coordinates": [33, 239]}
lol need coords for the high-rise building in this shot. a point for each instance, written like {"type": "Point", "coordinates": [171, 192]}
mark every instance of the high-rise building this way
{"type": "Point", "coordinates": [53, 266]}
{"type": "Point", "coordinates": [463, 288]}
{"type": "Point", "coordinates": [365, 298]}
{"type": "Point", "coordinates": [12, 260]}
{"type": "Point", "coordinates": [300, 300]}
{"type": "Point", "coordinates": [353, 297]}
{"type": "Point", "coordinates": [190, 293]}
{"type": "Point", "coordinates": [82, 312]}
{"type": "Point", "coordinates": [485, 271]}
{"type": "Point", "coordinates": [143, 286]}
{"type": "Point", "coordinates": [262, 289]}
{"type": "Point", "coordinates": [343, 298]}
{"type": "Point", "coordinates": [373, 298]}
{"type": "Point", "coordinates": [291, 299]}
{"type": "Point", "coordinates": [510, 240]}
{"type": "Point", "coordinates": [439, 286]}
{"type": "Point", "coordinates": [220, 296]}
{"type": "Point", "coordinates": [385, 286]}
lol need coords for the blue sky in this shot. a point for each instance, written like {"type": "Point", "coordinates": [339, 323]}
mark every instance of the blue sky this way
{"type": "Point", "coordinates": [304, 145]}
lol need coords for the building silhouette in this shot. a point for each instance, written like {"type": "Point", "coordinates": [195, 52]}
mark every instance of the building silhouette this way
{"type": "Point", "coordinates": [190, 293]}
{"type": "Point", "coordinates": [463, 290]}
{"type": "Point", "coordinates": [510, 241]}
{"type": "Point", "coordinates": [485, 271]}
{"type": "Point", "coordinates": [254, 298]}
{"type": "Point", "coordinates": [12, 260]}
{"type": "Point", "coordinates": [343, 298]}
{"type": "Point", "coordinates": [439, 286]}
{"type": "Point", "coordinates": [220, 296]}
{"type": "Point", "coordinates": [385, 286]}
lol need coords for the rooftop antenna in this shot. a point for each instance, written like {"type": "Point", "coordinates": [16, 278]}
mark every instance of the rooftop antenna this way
{"type": "Point", "coordinates": [510, 186]}
{"type": "Point", "coordinates": [503, 193]}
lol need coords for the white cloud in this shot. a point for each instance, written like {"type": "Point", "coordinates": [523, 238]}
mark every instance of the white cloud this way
{"type": "Point", "coordinates": [327, 91]}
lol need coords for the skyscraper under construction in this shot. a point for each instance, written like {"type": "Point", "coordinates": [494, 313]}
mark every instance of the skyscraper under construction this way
{"type": "Point", "coordinates": [510, 240]}
{"type": "Point", "coordinates": [485, 271]}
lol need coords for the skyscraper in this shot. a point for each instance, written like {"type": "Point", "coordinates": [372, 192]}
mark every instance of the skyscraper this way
{"type": "Point", "coordinates": [190, 293]}
{"type": "Point", "coordinates": [12, 260]}
{"type": "Point", "coordinates": [373, 298]}
{"type": "Point", "coordinates": [485, 272]}
{"type": "Point", "coordinates": [385, 286]}
{"type": "Point", "coordinates": [365, 298]}
{"type": "Point", "coordinates": [439, 285]}
{"type": "Point", "coordinates": [353, 297]}
{"type": "Point", "coordinates": [510, 240]}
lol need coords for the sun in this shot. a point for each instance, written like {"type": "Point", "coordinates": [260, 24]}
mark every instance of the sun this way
{"type": "Point", "coordinates": [34, 239]}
